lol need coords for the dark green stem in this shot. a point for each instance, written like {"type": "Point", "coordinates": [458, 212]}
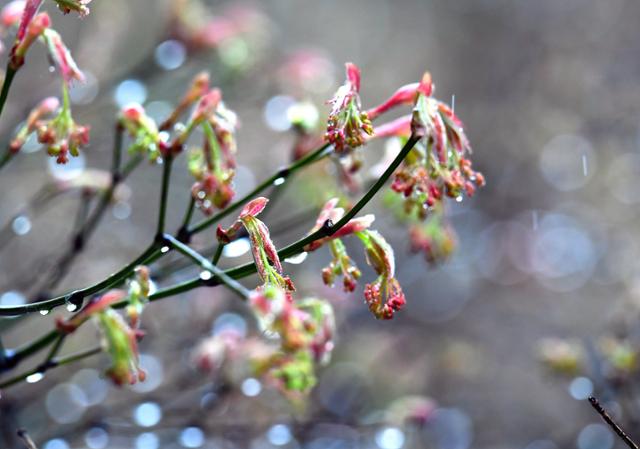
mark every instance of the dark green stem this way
{"type": "Point", "coordinates": [310, 158]}
{"type": "Point", "coordinates": [217, 254]}
{"type": "Point", "coordinates": [164, 194]}
{"type": "Point", "coordinates": [72, 358]}
{"type": "Point", "coordinates": [297, 247]}
{"type": "Point", "coordinates": [210, 268]}
{"type": "Point", "coordinates": [78, 295]}
{"type": "Point", "coordinates": [6, 85]}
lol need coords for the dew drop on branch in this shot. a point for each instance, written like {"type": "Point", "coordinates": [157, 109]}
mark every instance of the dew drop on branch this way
{"type": "Point", "coordinates": [34, 378]}
{"type": "Point", "coordinates": [21, 225]}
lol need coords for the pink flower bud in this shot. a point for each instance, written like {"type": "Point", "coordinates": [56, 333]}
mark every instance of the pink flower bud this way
{"type": "Point", "coordinates": [406, 95]}
{"type": "Point", "coordinates": [253, 207]}
{"type": "Point", "coordinates": [348, 125]}
{"type": "Point", "coordinates": [61, 56]}
{"type": "Point", "coordinates": [12, 13]}
{"type": "Point", "coordinates": [400, 127]}
{"type": "Point", "coordinates": [353, 76]}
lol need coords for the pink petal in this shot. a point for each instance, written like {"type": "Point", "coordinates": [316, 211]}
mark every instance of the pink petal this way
{"type": "Point", "coordinates": [399, 127]}
{"type": "Point", "coordinates": [353, 75]}
{"type": "Point", "coordinates": [254, 207]}
{"type": "Point", "coordinates": [30, 9]}
{"type": "Point", "coordinates": [406, 95]}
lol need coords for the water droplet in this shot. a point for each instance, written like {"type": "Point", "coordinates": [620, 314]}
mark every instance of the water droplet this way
{"type": "Point", "coordinates": [130, 91]}
{"type": "Point", "coordinates": [164, 249]}
{"type": "Point", "coordinates": [72, 307]}
{"type": "Point", "coordinates": [35, 377]}
{"type": "Point", "coordinates": [279, 435]}
{"type": "Point", "coordinates": [251, 387]}
{"type": "Point", "coordinates": [453, 103]}
{"type": "Point", "coordinates": [44, 312]}
{"type": "Point", "coordinates": [206, 275]}
{"type": "Point", "coordinates": [279, 181]}
{"type": "Point", "coordinates": [170, 54]}
{"type": "Point", "coordinates": [459, 199]}
{"type": "Point", "coordinates": [298, 259]}
{"type": "Point", "coordinates": [390, 438]}
{"type": "Point", "coordinates": [147, 414]}
{"type": "Point", "coordinates": [21, 225]}
{"type": "Point", "coordinates": [56, 443]}
{"type": "Point", "coordinates": [96, 438]}
{"type": "Point", "coordinates": [585, 166]}
{"type": "Point", "coordinates": [147, 440]}
{"type": "Point", "coordinates": [581, 388]}
{"type": "Point", "coordinates": [52, 69]}
{"type": "Point", "coordinates": [12, 298]}
{"type": "Point", "coordinates": [236, 248]}
{"type": "Point", "coordinates": [191, 437]}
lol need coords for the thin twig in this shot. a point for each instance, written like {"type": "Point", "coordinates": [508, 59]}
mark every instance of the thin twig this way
{"type": "Point", "coordinates": [24, 436]}
{"type": "Point", "coordinates": [609, 420]}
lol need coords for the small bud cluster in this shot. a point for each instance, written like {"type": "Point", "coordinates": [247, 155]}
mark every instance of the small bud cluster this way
{"type": "Point", "coordinates": [143, 131]}
{"type": "Point", "coordinates": [435, 238]}
{"type": "Point", "coordinates": [212, 165]}
{"type": "Point", "coordinates": [120, 336]}
{"type": "Point", "coordinates": [384, 296]}
{"type": "Point", "coordinates": [348, 125]}
{"type": "Point", "coordinates": [265, 254]}
{"type": "Point", "coordinates": [305, 328]}
{"type": "Point", "coordinates": [61, 134]}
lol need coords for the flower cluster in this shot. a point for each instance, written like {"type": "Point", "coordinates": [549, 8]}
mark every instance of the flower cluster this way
{"type": "Point", "coordinates": [384, 296]}
{"type": "Point", "coordinates": [120, 337]}
{"type": "Point", "coordinates": [341, 264]}
{"type": "Point", "coordinates": [61, 134]}
{"type": "Point", "coordinates": [143, 131]}
{"type": "Point", "coordinates": [305, 329]}
{"type": "Point", "coordinates": [435, 238]}
{"type": "Point", "coordinates": [439, 166]}
{"type": "Point", "coordinates": [348, 125]}
{"type": "Point", "coordinates": [265, 254]}
{"type": "Point", "coordinates": [212, 165]}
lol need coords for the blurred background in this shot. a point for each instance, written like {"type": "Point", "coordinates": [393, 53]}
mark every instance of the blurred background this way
{"type": "Point", "coordinates": [497, 348]}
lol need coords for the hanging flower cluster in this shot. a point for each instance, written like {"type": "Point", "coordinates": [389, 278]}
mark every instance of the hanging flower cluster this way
{"type": "Point", "coordinates": [265, 254]}
{"type": "Point", "coordinates": [384, 296]}
{"type": "Point", "coordinates": [305, 329]}
{"type": "Point", "coordinates": [439, 166]}
{"type": "Point", "coordinates": [61, 134]}
{"type": "Point", "coordinates": [120, 336]}
{"type": "Point", "coordinates": [434, 237]}
{"type": "Point", "coordinates": [212, 165]}
{"type": "Point", "coordinates": [143, 131]}
{"type": "Point", "coordinates": [341, 264]}
{"type": "Point", "coordinates": [348, 125]}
